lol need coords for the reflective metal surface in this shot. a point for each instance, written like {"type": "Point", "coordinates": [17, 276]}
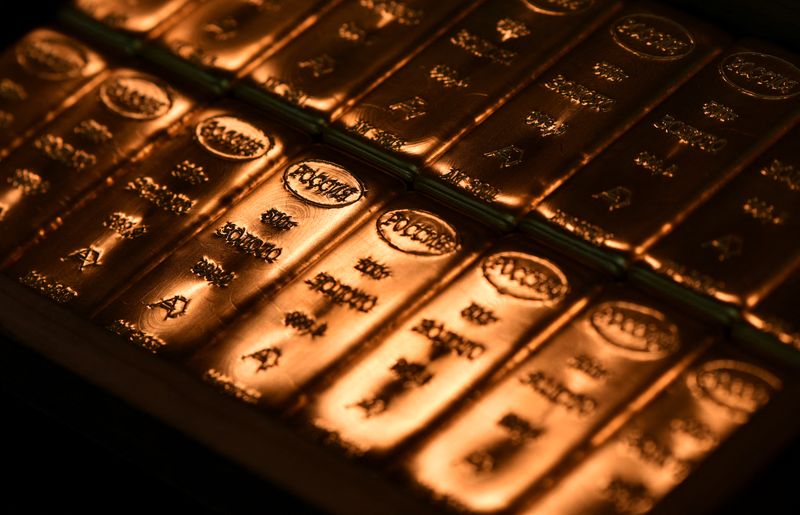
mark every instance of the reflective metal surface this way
{"type": "Point", "coordinates": [136, 16]}
{"type": "Point", "coordinates": [778, 313]}
{"type": "Point", "coordinates": [648, 180]}
{"type": "Point", "coordinates": [47, 176]}
{"type": "Point", "coordinates": [744, 238]}
{"type": "Point", "coordinates": [179, 187]}
{"type": "Point", "coordinates": [464, 73]}
{"type": "Point", "coordinates": [348, 49]}
{"type": "Point", "coordinates": [41, 74]}
{"type": "Point", "coordinates": [554, 126]}
{"type": "Point", "coordinates": [660, 446]}
{"type": "Point", "coordinates": [445, 348]}
{"type": "Point", "coordinates": [398, 257]}
{"type": "Point", "coordinates": [279, 229]}
{"type": "Point", "coordinates": [224, 35]}
{"type": "Point", "coordinates": [509, 438]}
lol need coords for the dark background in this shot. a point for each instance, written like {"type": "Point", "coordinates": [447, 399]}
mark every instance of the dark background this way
{"type": "Point", "coordinates": [70, 447]}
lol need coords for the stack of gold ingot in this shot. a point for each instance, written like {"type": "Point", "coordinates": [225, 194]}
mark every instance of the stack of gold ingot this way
{"type": "Point", "coordinates": [507, 256]}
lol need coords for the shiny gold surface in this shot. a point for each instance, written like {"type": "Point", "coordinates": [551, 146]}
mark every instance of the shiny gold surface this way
{"type": "Point", "coordinates": [464, 73]}
{"type": "Point", "coordinates": [178, 188]}
{"type": "Point", "coordinates": [136, 16]}
{"type": "Point", "coordinates": [49, 174]}
{"type": "Point", "coordinates": [275, 232]}
{"type": "Point", "coordinates": [554, 126]}
{"type": "Point", "coordinates": [744, 238]}
{"type": "Point", "coordinates": [660, 446]}
{"type": "Point", "coordinates": [491, 452]}
{"type": "Point", "coordinates": [224, 35]}
{"type": "Point", "coordinates": [445, 348]}
{"type": "Point", "coordinates": [347, 49]}
{"type": "Point", "coordinates": [396, 259]}
{"type": "Point", "coordinates": [648, 180]}
{"type": "Point", "coordinates": [41, 74]}
{"type": "Point", "coordinates": [777, 313]}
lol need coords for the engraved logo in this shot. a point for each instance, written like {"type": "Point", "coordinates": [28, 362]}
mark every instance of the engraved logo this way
{"type": "Point", "coordinates": [559, 7]}
{"type": "Point", "coordinates": [417, 232]}
{"type": "Point", "coordinates": [738, 386]}
{"type": "Point", "coordinates": [323, 184]}
{"type": "Point", "coordinates": [52, 58]}
{"type": "Point", "coordinates": [232, 138]}
{"type": "Point", "coordinates": [136, 97]}
{"type": "Point", "coordinates": [643, 332]}
{"type": "Point", "coordinates": [761, 75]}
{"type": "Point", "coordinates": [652, 36]}
{"type": "Point", "coordinates": [525, 277]}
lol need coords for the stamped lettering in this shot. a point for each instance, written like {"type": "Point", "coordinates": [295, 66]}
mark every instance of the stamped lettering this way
{"type": "Point", "coordinates": [55, 148]}
{"type": "Point", "coordinates": [417, 232]}
{"type": "Point", "coordinates": [448, 77]}
{"type": "Point", "coordinates": [652, 37]}
{"type": "Point", "coordinates": [232, 138]}
{"type": "Point", "coordinates": [472, 185]}
{"type": "Point", "coordinates": [212, 272]}
{"type": "Point", "coordinates": [763, 211]}
{"type": "Point", "coordinates": [323, 183]}
{"type": "Point", "coordinates": [590, 232]}
{"type": "Point", "coordinates": [478, 314]}
{"type": "Point", "coordinates": [628, 497]}
{"type": "Point", "coordinates": [761, 75]}
{"type": "Point", "coordinates": [342, 294]}
{"type": "Point", "coordinates": [525, 277]}
{"type": "Point", "coordinates": [29, 182]}
{"type": "Point", "coordinates": [445, 342]}
{"type": "Point", "coordinates": [52, 57]}
{"type": "Point", "coordinates": [93, 132]}
{"type": "Point", "coordinates": [85, 257]}
{"type": "Point", "coordinates": [189, 173]}
{"type": "Point", "coordinates": [508, 156]}
{"type": "Point", "coordinates": [248, 243]}
{"type": "Point", "coordinates": [127, 226]}
{"type": "Point", "coordinates": [547, 124]}
{"type": "Point", "coordinates": [557, 393]}
{"type": "Point", "coordinates": [230, 386]}
{"type": "Point", "coordinates": [615, 198]}
{"type": "Point", "coordinates": [318, 66]}
{"type": "Point", "coordinates": [380, 136]}
{"type": "Point", "coordinates": [509, 28]}
{"type": "Point", "coordinates": [373, 269]}
{"type": "Point", "coordinates": [304, 324]}
{"type": "Point", "coordinates": [56, 291]}
{"type": "Point", "coordinates": [609, 72]}
{"type": "Point", "coordinates": [160, 195]}
{"type": "Point", "coordinates": [689, 135]}
{"type": "Point", "coordinates": [479, 47]}
{"type": "Point", "coordinates": [129, 331]}
{"type": "Point", "coordinates": [266, 358]}
{"type": "Point", "coordinates": [579, 94]}
{"type": "Point", "coordinates": [784, 173]}
{"type": "Point", "coordinates": [655, 165]}
{"type": "Point", "coordinates": [559, 7]}
{"type": "Point", "coordinates": [136, 97]}
{"type": "Point", "coordinates": [394, 10]}
{"type": "Point", "coordinates": [173, 307]}
{"type": "Point", "coordinates": [639, 331]}
{"type": "Point", "coordinates": [726, 247]}
{"type": "Point", "coordinates": [278, 220]}
{"type": "Point", "coordinates": [719, 112]}
{"type": "Point", "coordinates": [739, 387]}
{"type": "Point", "coordinates": [409, 109]}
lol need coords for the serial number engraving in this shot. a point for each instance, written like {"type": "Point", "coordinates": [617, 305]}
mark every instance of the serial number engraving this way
{"type": "Point", "coordinates": [692, 278]}
{"type": "Point", "coordinates": [609, 72]}
{"type": "Point", "coordinates": [478, 314]}
{"type": "Point", "coordinates": [30, 182]}
{"type": "Point", "coordinates": [212, 272]}
{"type": "Point", "coordinates": [318, 66]}
{"type": "Point", "coordinates": [304, 324]}
{"type": "Point", "coordinates": [474, 186]}
{"type": "Point", "coordinates": [277, 219]}
{"type": "Point", "coordinates": [133, 334]}
{"type": "Point", "coordinates": [160, 196]}
{"type": "Point", "coordinates": [719, 112]}
{"type": "Point", "coordinates": [689, 135]}
{"type": "Point", "coordinates": [380, 136]}
{"type": "Point", "coordinates": [228, 385]}
{"type": "Point", "coordinates": [242, 240]}
{"type": "Point", "coordinates": [55, 148]}
{"type": "Point", "coordinates": [763, 211]}
{"type": "Point", "coordinates": [547, 124]}
{"type": "Point", "coordinates": [189, 172]}
{"type": "Point", "coordinates": [372, 269]}
{"type": "Point", "coordinates": [555, 392]}
{"type": "Point", "coordinates": [448, 77]}
{"type": "Point", "coordinates": [589, 366]}
{"type": "Point", "coordinates": [412, 108]}
{"type": "Point", "coordinates": [341, 293]}
{"type": "Point", "coordinates": [56, 291]}
{"type": "Point", "coordinates": [129, 227]}
{"type": "Point", "coordinates": [579, 94]}
{"type": "Point", "coordinates": [655, 165]}
{"type": "Point", "coordinates": [93, 132]}
{"type": "Point", "coordinates": [445, 341]}
{"type": "Point", "coordinates": [479, 47]}
{"type": "Point", "coordinates": [787, 174]}
{"type": "Point", "coordinates": [590, 232]}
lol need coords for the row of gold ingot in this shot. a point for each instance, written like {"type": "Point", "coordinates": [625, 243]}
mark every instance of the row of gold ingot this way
{"type": "Point", "coordinates": [303, 280]}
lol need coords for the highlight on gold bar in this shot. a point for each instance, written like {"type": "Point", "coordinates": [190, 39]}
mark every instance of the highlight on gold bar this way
{"type": "Point", "coordinates": [274, 233]}
{"type": "Point", "coordinates": [49, 176]}
{"type": "Point", "coordinates": [139, 17]}
{"type": "Point", "coordinates": [347, 50]}
{"type": "Point", "coordinates": [557, 124]}
{"type": "Point", "coordinates": [664, 443]}
{"type": "Point", "coordinates": [222, 36]}
{"type": "Point", "coordinates": [744, 237]}
{"type": "Point", "coordinates": [43, 73]}
{"type": "Point", "coordinates": [649, 180]}
{"type": "Point", "coordinates": [777, 313]}
{"type": "Point", "coordinates": [462, 75]}
{"type": "Point", "coordinates": [177, 189]}
{"type": "Point", "coordinates": [447, 347]}
{"type": "Point", "coordinates": [400, 256]}
{"type": "Point", "coordinates": [510, 437]}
